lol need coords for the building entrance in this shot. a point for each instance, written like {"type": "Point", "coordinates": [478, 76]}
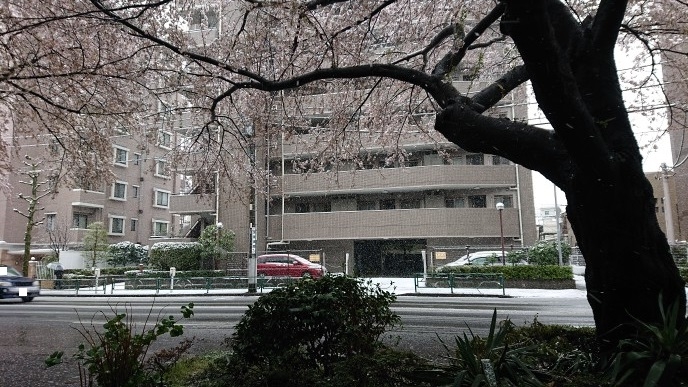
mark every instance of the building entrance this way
{"type": "Point", "coordinates": [389, 258]}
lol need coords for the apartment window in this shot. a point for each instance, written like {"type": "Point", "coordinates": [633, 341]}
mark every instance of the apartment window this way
{"type": "Point", "coordinates": [455, 203]}
{"type": "Point", "coordinates": [477, 201]}
{"type": "Point", "coordinates": [499, 160]}
{"type": "Point", "coordinates": [116, 225]}
{"type": "Point", "coordinates": [119, 191]}
{"type": "Point", "coordinates": [161, 168]}
{"type": "Point", "coordinates": [475, 159]}
{"type": "Point", "coordinates": [507, 200]}
{"type": "Point", "coordinates": [50, 222]}
{"type": "Point", "coordinates": [135, 191]}
{"type": "Point", "coordinates": [365, 205]}
{"type": "Point", "coordinates": [80, 221]}
{"type": "Point", "coordinates": [133, 224]}
{"type": "Point", "coordinates": [162, 198]}
{"type": "Point", "coordinates": [137, 159]}
{"type": "Point", "coordinates": [121, 155]}
{"type": "Point", "coordinates": [407, 204]}
{"type": "Point", "coordinates": [301, 208]}
{"type": "Point", "coordinates": [387, 204]}
{"type": "Point", "coordinates": [322, 207]}
{"type": "Point", "coordinates": [160, 227]}
{"type": "Point", "coordinates": [165, 139]}
{"type": "Point", "coordinates": [203, 19]}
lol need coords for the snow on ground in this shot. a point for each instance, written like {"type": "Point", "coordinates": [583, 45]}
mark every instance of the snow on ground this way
{"type": "Point", "coordinates": [399, 286]}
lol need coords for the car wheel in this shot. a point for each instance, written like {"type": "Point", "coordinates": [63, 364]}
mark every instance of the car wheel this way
{"type": "Point", "coordinates": [27, 299]}
{"type": "Point", "coordinates": [306, 275]}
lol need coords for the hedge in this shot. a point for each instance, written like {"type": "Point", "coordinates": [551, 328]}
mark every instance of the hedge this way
{"type": "Point", "coordinates": [180, 255]}
{"type": "Point", "coordinates": [518, 272]}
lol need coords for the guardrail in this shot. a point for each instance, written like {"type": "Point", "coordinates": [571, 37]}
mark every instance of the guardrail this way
{"type": "Point", "coordinates": [460, 280]}
{"type": "Point", "coordinates": [120, 284]}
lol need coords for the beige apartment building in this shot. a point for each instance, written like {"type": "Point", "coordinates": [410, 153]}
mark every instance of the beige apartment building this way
{"type": "Point", "coordinates": [373, 217]}
{"type": "Point", "coordinates": [133, 207]}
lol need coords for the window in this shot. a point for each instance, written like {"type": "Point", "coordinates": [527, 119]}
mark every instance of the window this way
{"type": "Point", "coordinates": [135, 191]}
{"type": "Point", "coordinates": [160, 227]}
{"type": "Point", "coordinates": [387, 204]}
{"type": "Point", "coordinates": [137, 159]}
{"type": "Point", "coordinates": [121, 155]}
{"type": "Point", "coordinates": [119, 191]}
{"type": "Point", "coordinates": [116, 225]}
{"type": "Point", "coordinates": [133, 224]}
{"type": "Point", "coordinates": [301, 208]}
{"type": "Point", "coordinates": [50, 222]}
{"type": "Point", "coordinates": [164, 139]}
{"type": "Point", "coordinates": [162, 198]}
{"type": "Point", "coordinates": [455, 203]}
{"type": "Point", "coordinates": [498, 160]}
{"type": "Point", "coordinates": [475, 159]}
{"type": "Point", "coordinates": [407, 204]}
{"type": "Point", "coordinates": [322, 207]}
{"type": "Point", "coordinates": [161, 168]}
{"type": "Point", "coordinates": [477, 201]}
{"type": "Point", "coordinates": [80, 221]}
{"type": "Point", "coordinates": [201, 19]}
{"type": "Point", "coordinates": [365, 205]}
{"type": "Point", "coordinates": [507, 200]}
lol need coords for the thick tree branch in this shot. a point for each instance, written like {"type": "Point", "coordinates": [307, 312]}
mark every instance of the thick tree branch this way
{"type": "Point", "coordinates": [532, 147]}
{"type": "Point", "coordinates": [546, 53]}
{"type": "Point", "coordinates": [606, 25]}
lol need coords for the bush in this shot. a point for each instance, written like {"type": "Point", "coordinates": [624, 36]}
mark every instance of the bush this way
{"type": "Point", "coordinates": [181, 255]}
{"type": "Point", "coordinates": [546, 253]}
{"type": "Point", "coordinates": [520, 272]}
{"type": "Point", "coordinates": [311, 330]}
{"type": "Point", "coordinates": [124, 253]}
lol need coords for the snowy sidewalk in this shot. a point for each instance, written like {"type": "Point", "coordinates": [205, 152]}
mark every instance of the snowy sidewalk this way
{"type": "Point", "coordinates": [399, 286]}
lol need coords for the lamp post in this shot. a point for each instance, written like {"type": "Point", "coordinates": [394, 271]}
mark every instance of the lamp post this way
{"type": "Point", "coordinates": [500, 208]}
{"type": "Point", "coordinates": [218, 230]}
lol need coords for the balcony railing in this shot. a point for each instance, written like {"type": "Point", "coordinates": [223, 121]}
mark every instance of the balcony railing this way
{"type": "Point", "coordinates": [414, 223]}
{"type": "Point", "coordinates": [396, 179]}
{"type": "Point", "coordinates": [85, 198]}
{"type": "Point", "coordinates": [192, 204]}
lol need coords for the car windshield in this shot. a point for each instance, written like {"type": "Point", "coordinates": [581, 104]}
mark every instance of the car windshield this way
{"type": "Point", "coordinates": [12, 272]}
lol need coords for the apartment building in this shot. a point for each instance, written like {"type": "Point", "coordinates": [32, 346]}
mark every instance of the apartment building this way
{"type": "Point", "coordinates": [133, 206]}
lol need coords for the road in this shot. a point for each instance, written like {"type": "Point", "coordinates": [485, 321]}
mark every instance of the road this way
{"type": "Point", "coordinates": [34, 330]}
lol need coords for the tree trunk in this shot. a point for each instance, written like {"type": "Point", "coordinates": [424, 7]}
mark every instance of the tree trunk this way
{"type": "Point", "coordinates": [629, 267]}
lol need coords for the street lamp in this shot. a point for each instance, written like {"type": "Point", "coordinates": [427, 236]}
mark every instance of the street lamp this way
{"type": "Point", "coordinates": [500, 207]}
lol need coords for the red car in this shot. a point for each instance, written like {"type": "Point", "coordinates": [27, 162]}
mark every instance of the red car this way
{"type": "Point", "coordinates": [288, 265]}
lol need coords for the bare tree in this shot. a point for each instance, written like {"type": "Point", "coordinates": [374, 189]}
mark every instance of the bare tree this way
{"type": "Point", "coordinates": [39, 189]}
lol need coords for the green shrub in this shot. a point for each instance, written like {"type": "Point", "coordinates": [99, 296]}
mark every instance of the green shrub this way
{"type": "Point", "coordinates": [124, 253]}
{"type": "Point", "coordinates": [519, 272]}
{"type": "Point", "coordinates": [117, 355]}
{"type": "Point", "coordinates": [308, 330]}
{"type": "Point", "coordinates": [683, 271]}
{"type": "Point", "coordinates": [546, 253]}
{"type": "Point", "coordinates": [180, 255]}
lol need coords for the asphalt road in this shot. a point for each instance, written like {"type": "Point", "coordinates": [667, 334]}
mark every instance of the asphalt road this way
{"type": "Point", "coordinates": [31, 331]}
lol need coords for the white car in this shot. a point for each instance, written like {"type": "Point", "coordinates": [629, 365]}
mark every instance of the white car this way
{"type": "Point", "coordinates": [478, 258]}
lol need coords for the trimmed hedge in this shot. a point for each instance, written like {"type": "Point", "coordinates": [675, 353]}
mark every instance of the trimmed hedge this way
{"type": "Point", "coordinates": [519, 272]}
{"type": "Point", "coordinates": [683, 271]}
{"type": "Point", "coordinates": [180, 255]}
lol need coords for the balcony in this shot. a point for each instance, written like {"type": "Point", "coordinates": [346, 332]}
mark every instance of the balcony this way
{"type": "Point", "coordinates": [415, 223]}
{"type": "Point", "coordinates": [400, 179]}
{"type": "Point", "coordinates": [192, 204]}
{"type": "Point", "coordinates": [84, 198]}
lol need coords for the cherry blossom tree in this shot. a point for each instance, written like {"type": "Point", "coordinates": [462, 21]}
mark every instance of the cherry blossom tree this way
{"type": "Point", "coordinates": [349, 73]}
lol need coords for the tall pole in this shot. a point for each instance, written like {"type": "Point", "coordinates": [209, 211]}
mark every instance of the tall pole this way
{"type": "Point", "coordinates": [668, 209]}
{"type": "Point", "coordinates": [557, 211]}
{"type": "Point", "coordinates": [500, 208]}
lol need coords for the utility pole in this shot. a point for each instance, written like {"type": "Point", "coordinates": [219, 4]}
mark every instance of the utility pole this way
{"type": "Point", "coordinates": [668, 208]}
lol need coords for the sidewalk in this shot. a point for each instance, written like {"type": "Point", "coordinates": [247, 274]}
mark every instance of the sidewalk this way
{"type": "Point", "coordinates": [398, 286]}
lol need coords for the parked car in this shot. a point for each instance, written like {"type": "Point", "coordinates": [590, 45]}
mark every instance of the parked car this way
{"type": "Point", "coordinates": [14, 285]}
{"type": "Point", "coordinates": [479, 258]}
{"type": "Point", "coordinates": [288, 265]}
